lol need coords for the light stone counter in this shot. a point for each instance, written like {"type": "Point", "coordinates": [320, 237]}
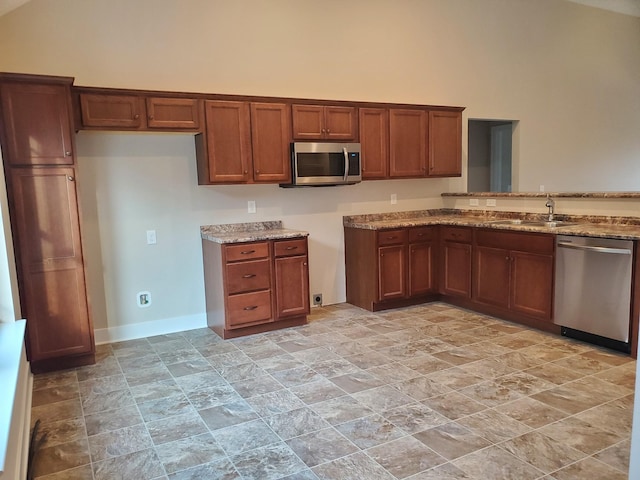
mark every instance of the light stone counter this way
{"type": "Point", "coordinates": [248, 232]}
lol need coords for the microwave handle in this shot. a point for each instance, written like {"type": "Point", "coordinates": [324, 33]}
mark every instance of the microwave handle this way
{"type": "Point", "coordinates": [346, 163]}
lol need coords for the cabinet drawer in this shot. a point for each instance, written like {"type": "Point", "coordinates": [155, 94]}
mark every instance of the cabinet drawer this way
{"type": "Point", "coordinates": [421, 234]}
{"type": "Point", "coordinates": [287, 248]}
{"type": "Point", "coordinates": [524, 242]}
{"type": "Point", "coordinates": [246, 308]}
{"type": "Point", "coordinates": [248, 276]}
{"type": "Point", "coordinates": [392, 237]}
{"type": "Point", "coordinates": [456, 234]}
{"type": "Point", "coordinates": [246, 251]}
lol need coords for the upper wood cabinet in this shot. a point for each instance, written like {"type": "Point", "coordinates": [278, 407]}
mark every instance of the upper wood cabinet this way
{"type": "Point", "coordinates": [173, 113]}
{"type": "Point", "coordinates": [408, 137]}
{"type": "Point", "coordinates": [374, 141]}
{"type": "Point", "coordinates": [38, 125]}
{"type": "Point", "coordinates": [244, 143]}
{"type": "Point", "coordinates": [270, 141]}
{"type": "Point", "coordinates": [318, 122]}
{"type": "Point", "coordinates": [118, 111]}
{"type": "Point", "coordinates": [224, 149]}
{"type": "Point", "coordinates": [445, 143]}
{"type": "Point", "coordinates": [137, 112]}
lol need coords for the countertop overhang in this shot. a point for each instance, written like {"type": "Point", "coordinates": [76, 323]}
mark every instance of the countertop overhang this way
{"type": "Point", "coordinates": [626, 228]}
{"type": "Point", "coordinates": [248, 232]}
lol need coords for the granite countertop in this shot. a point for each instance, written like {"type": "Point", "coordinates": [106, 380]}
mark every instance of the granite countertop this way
{"type": "Point", "coordinates": [627, 228]}
{"type": "Point", "coordinates": [248, 232]}
{"type": "Point", "coordinates": [545, 194]}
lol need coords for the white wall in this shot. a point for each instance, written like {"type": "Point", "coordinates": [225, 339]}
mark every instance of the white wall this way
{"type": "Point", "coordinates": [567, 72]}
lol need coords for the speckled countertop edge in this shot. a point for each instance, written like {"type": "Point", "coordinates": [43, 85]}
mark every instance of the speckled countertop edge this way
{"type": "Point", "coordinates": [627, 228]}
{"type": "Point", "coordinates": [545, 194]}
{"type": "Point", "coordinates": [248, 232]}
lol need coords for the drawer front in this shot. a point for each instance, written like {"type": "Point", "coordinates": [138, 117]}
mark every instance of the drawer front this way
{"type": "Point", "coordinates": [246, 251]}
{"type": "Point", "coordinates": [456, 234]}
{"type": "Point", "coordinates": [287, 248]}
{"type": "Point", "coordinates": [248, 308]}
{"type": "Point", "coordinates": [392, 237]}
{"type": "Point", "coordinates": [525, 242]}
{"type": "Point", "coordinates": [421, 234]}
{"type": "Point", "coordinates": [248, 276]}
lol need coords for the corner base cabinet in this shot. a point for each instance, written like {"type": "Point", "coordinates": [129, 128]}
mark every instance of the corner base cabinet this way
{"type": "Point", "coordinates": [256, 287]}
{"type": "Point", "coordinates": [390, 268]}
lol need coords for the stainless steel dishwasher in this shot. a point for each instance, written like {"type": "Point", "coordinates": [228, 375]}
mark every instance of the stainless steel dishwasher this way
{"type": "Point", "coordinates": [593, 289]}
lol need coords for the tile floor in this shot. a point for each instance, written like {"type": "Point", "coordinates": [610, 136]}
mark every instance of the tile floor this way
{"type": "Point", "coordinates": [428, 392]}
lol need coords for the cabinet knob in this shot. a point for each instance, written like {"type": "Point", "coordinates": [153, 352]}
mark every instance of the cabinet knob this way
{"type": "Point", "coordinates": [150, 117]}
{"type": "Point", "coordinates": [136, 116]}
{"type": "Point", "coordinates": [305, 264]}
{"type": "Point", "coordinates": [70, 178]}
{"type": "Point", "coordinates": [324, 131]}
{"type": "Point", "coordinates": [67, 154]}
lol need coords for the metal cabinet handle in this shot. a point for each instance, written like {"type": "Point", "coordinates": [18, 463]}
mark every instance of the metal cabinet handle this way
{"type": "Point", "coordinates": [67, 153]}
{"type": "Point", "coordinates": [252, 307]}
{"type": "Point", "coordinates": [291, 248]}
{"type": "Point", "coordinates": [249, 275]}
{"type": "Point", "coordinates": [593, 248]}
{"type": "Point", "coordinates": [247, 252]}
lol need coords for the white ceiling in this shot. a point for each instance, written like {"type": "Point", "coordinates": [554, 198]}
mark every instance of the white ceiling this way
{"type": "Point", "coordinates": [628, 7]}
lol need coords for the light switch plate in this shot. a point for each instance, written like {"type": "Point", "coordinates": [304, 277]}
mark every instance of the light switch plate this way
{"type": "Point", "coordinates": [251, 206]}
{"type": "Point", "coordinates": [394, 199]}
{"type": "Point", "coordinates": [151, 237]}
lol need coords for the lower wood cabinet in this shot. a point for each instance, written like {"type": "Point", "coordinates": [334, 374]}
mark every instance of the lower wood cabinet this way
{"type": "Point", "coordinates": [455, 261]}
{"type": "Point", "coordinates": [257, 286]}
{"type": "Point", "coordinates": [388, 268]}
{"type": "Point", "coordinates": [514, 271]}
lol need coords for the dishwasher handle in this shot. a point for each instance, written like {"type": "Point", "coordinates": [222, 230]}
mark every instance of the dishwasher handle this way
{"type": "Point", "coordinates": [618, 251]}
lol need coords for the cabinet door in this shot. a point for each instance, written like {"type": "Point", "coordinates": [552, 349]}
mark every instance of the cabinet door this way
{"type": "Point", "coordinates": [37, 124]}
{"type": "Point", "coordinates": [53, 292]}
{"type": "Point", "coordinates": [292, 286]}
{"type": "Point", "coordinates": [492, 276]}
{"type": "Point", "coordinates": [407, 143]}
{"type": "Point", "coordinates": [116, 111]}
{"type": "Point", "coordinates": [308, 122]}
{"type": "Point", "coordinates": [340, 123]}
{"type": "Point", "coordinates": [173, 113]}
{"type": "Point", "coordinates": [391, 272]}
{"type": "Point", "coordinates": [421, 269]}
{"type": "Point", "coordinates": [456, 269]}
{"type": "Point", "coordinates": [270, 140]}
{"type": "Point", "coordinates": [532, 284]}
{"type": "Point", "coordinates": [445, 144]}
{"type": "Point", "coordinates": [374, 141]}
{"type": "Point", "coordinates": [228, 141]}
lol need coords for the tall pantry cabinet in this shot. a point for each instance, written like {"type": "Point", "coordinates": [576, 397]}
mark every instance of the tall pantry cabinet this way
{"type": "Point", "coordinates": [38, 153]}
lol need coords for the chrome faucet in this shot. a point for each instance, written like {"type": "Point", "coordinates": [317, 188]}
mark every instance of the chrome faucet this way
{"type": "Point", "coordinates": [550, 204]}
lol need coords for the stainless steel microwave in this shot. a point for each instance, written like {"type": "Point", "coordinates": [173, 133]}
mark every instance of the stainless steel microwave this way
{"type": "Point", "coordinates": [323, 164]}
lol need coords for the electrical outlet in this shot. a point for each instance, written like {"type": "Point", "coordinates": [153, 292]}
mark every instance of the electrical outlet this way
{"type": "Point", "coordinates": [542, 188]}
{"type": "Point", "coordinates": [143, 299]}
{"type": "Point", "coordinates": [474, 202]}
{"type": "Point", "coordinates": [151, 237]}
{"type": "Point", "coordinates": [491, 202]}
{"type": "Point", "coordinates": [317, 299]}
{"type": "Point", "coordinates": [251, 206]}
{"type": "Point", "coordinates": [394, 199]}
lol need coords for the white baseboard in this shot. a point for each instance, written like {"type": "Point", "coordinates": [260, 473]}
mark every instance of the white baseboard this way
{"type": "Point", "coordinates": [148, 329]}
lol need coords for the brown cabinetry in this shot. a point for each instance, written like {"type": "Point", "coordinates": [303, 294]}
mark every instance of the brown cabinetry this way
{"type": "Point", "coordinates": [257, 286]}
{"type": "Point", "coordinates": [324, 122]}
{"type": "Point", "coordinates": [38, 143]}
{"type": "Point", "coordinates": [388, 268]}
{"type": "Point", "coordinates": [38, 127]}
{"type": "Point", "coordinates": [244, 143]}
{"type": "Point", "coordinates": [455, 258]}
{"type": "Point", "coordinates": [445, 144]}
{"type": "Point", "coordinates": [374, 141]}
{"type": "Point", "coordinates": [119, 111]}
{"type": "Point", "coordinates": [514, 271]}
{"type": "Point", "coordinates": [408, 138]}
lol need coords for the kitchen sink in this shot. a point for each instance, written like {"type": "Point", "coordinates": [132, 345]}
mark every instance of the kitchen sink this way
{"type": "Point", "coordinates": [532, 223]}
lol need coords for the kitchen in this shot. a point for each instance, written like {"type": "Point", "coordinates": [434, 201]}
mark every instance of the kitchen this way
{"type": "Point", "coordinates": [124, 170]}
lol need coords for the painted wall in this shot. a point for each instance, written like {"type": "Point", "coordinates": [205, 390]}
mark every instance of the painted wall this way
{"type": "Point", "coordinates": [567, 72]}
